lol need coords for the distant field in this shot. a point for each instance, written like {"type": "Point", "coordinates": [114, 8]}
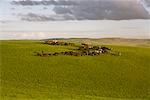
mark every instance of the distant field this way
{"type": "Point", "coordinates": [25, 76]}
{"type": "Point", "coordinates": [113, 41]}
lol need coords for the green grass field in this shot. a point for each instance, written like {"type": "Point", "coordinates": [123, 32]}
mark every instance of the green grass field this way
{"type": "Point", "coordinates": [25, 76]}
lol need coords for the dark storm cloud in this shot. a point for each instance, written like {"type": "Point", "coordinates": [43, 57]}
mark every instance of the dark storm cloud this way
{"type": "Point", "coordinates": [148, 2]}
{"type": "Point", "coordinates": [88, 10]}
{"type": "Point", "coordinates": [36, 17]}
{"type": "Point", "coordinates": [43, 2]}
{"type": "Point", "coordinates": [105, 9]}
{"type": "Point", "coordinates": [62, 10]}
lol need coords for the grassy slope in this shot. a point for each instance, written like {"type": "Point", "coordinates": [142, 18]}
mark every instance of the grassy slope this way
{"type": "Point", "coordinates": [105, 77]}
{"type": "Point", "coordinates": [114, 41]}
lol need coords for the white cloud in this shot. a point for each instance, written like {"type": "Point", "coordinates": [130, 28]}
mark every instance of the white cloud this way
{"type": "Point", "coordinates": [146, 5]}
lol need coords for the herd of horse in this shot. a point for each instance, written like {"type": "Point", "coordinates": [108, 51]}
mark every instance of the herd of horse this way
{"type": "Point", "coordinates": [81, 50]}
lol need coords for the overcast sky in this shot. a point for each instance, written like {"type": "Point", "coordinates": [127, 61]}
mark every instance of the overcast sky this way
{"type": "Point", "coordinates": [77, 18]}
{"type": "Point", "coordinates": [60, 10]}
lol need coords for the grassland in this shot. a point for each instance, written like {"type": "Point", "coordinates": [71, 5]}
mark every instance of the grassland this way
{"type": "Point", "coordinates": [25, 76]}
